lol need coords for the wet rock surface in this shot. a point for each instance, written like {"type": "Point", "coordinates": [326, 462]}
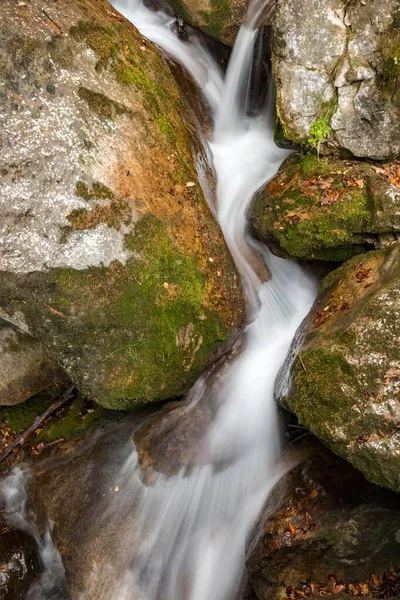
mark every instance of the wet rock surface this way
{"type": "Point", "coordinates": [116, 265]}
{"type": "Point", "coordinates": [342, 376]}
{"type": "Point", "coordinates": [328, 209]}
{"type": "Point", "coordinates": [88, 490]}
{"type": "Point", "coordinates": [175, 437]}
{"type": "Point", "coordinates": [20, 564]}
{"type": "Point", "coordinates": [26, 367]}
{"type": "Point", "coordinates": [326, 532]}
{"type": "Point", "coordinates": [336, 69]}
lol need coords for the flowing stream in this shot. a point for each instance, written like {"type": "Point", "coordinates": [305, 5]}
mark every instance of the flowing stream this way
{"type": "Point", "coordinates": [190, 529]}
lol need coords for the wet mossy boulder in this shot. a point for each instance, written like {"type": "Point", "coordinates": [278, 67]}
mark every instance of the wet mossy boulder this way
{"type": "Point", "coordinates": [336, 67]}
{"type": "Point", "coordinates": [109, 253]}
{"type": "Point", "coordinates": [342, 378]}
{"type": "Point", "coordinates": [326, 531]}
{"type": "Point", "coordinates": [328, 209]}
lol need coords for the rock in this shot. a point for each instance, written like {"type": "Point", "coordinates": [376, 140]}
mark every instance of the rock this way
{"type": "Point", "coordinates": [19, 564]}
{"type": "Point", "coordinates": [326, 531]}
{"type": "Point", "coordinates": [337, 74]}
{"type": "Point", "coordinates": [90, 491]}
{"type": "Point", "coordinates": [220, 18]}
{"type": "Point", "coordinates": [330, 210]}
{"type": "Point", "coordinates": [344, 380]}
{"type": "Point", "coordinates": [105, 251]}
{"type": "Point", "coordinates": [22, 517]}
{"type": "Point", "coordinates": [25, 366]}
{"type": "Point", "coordinates": [175, 437]}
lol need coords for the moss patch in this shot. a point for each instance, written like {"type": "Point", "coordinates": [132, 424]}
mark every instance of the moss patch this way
{"type": "Point", "coordinates": [115, 213]}
{"type": "Point", "coordinates": [101, 104]}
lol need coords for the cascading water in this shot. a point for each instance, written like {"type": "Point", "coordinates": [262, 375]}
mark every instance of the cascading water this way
{"type": "Point", "coordinates": [188, 541]}
{"type": "Point", "coordinates": [192, 528]}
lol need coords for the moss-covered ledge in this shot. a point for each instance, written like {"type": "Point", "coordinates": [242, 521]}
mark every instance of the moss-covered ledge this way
{"type": "Point", "coordinates": [328, 209]}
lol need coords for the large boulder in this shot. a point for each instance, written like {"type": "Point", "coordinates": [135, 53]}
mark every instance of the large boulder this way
{"type": "Point", "coordinates": [331, 210]}
{"type": "Point", "coordinates": [336, 65]}
{"type": "Point", "coordinates": [326, 531]}
{"type": "Point", "coordinates": [109, 253]}
{"type": "Point", "coordinates": [26, 368]}
{"type": "Point", "coordinates": [344, 381]}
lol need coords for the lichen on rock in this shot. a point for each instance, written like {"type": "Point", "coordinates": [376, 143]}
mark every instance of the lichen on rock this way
{"type": "Point", "coordinates": [105, 250]}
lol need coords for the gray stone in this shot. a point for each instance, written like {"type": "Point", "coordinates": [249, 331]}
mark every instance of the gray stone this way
{"type": "Point", "coordinates": [338, 60]}
{"type": "Point", "coordinates": [325, 532]}
{"type": "Point", "coordinates": [26, 368]}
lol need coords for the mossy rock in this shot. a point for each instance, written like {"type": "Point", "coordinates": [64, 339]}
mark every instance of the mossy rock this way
{"type": "Point", "coordinates": [113, 259]}
{"type": "Point", "coordinates": [327, 209]}
{"type": "Point", "coordinates": [326, 531]}
{"type": "Point", "coordinates": [219, 18]}
{"type": "Point", "coordinates": [345, 380]}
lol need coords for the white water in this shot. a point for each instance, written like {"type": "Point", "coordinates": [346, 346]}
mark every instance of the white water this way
{"type": "Point", "coordinates": [189, 532]}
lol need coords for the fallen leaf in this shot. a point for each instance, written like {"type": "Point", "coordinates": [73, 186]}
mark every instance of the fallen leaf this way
{"type": "Point", "coordinates": [292, 528]}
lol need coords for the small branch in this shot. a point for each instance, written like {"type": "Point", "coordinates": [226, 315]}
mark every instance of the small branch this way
{"type": "Point", "coordinates": [20, 439]}
{"type": "Point", "coordinates": [302, 364]}
{"type": "Point", "coordinates": [60, 29]}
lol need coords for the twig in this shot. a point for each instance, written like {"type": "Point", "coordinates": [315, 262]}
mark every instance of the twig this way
{"type": "Point", "coordinates": [302, 364]}
{"type": "Point", "coordinates": [24, 434]}
{"type": "Point", "coordinates": [60, 29]}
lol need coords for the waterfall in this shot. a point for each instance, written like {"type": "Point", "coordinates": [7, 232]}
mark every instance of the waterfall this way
{"type": "Point", "coordinates": [189, 535]}
{"type": "Point", "coordinates": [191, 529]}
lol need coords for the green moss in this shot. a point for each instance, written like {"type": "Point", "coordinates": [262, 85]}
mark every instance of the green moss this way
{"type": "Point", "coordinates": [314, 209]}
{"type": "Point", "coordinates": [101, 104]}
{"type": "Point", "coordinates": [98, 191]}
{"type": "Point", "coordinates": [215, 21]}
{"type": "Point", "coordinates": [100, 39]}
{"type": "Point", "coordinates": [21, 416]}
{"type": "Point", "coordinates": [165, 126]}
{"type": "Point", "coordinates": [23, 51]}
{"type": "Point", "coordinates": [73, 422]}
{"type": "Point", "coordinates": [147, 335]}
{"type": "Point", "coordinates": [114, 214]}
{"type": "Point", "coordinates": [326, 387]}
{"type": "Point", "coordinates": [389, 67]}
{"type": "Point", "coordinates": [311, 165]}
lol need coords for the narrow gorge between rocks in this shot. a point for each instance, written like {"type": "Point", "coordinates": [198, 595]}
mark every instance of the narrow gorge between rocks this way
{"type": "Point", "coordinates": [188, 531]}
{"type": "Point", "coordinates": [199, 299]}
